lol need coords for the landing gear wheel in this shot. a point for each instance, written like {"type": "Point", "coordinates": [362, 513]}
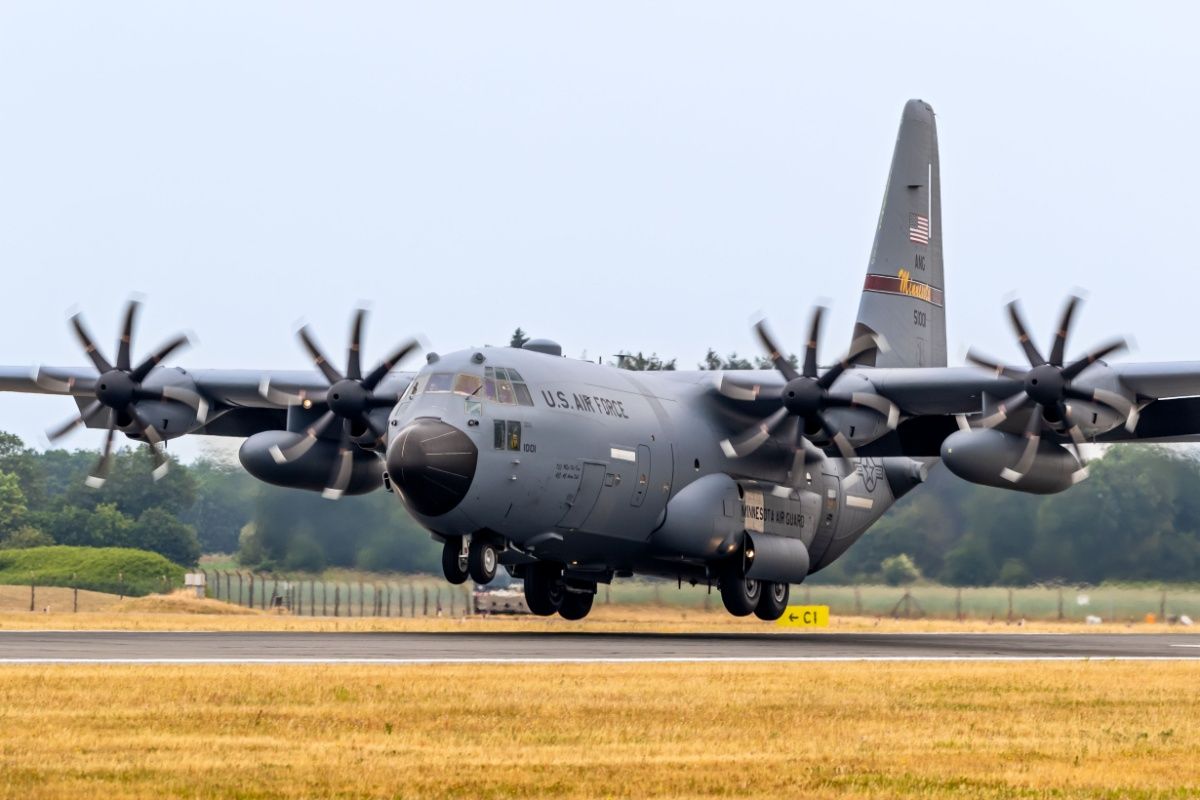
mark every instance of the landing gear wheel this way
{"type": "Point", "coordinates": [454, 561]}
{"type": "Point", "coordinates": [544, 588]}
{"type": "Point", "coordinates": [740, 594]}
{"type": "Point", "coordinates": [482, 561]}
{"type": "Point", "coordinates": [773, 602]}
{"type": "Point", "coordinates": [576, 605]}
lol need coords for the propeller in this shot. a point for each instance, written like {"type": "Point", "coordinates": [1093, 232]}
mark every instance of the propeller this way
{"type": "Point", "coordinates": [118, 388]}
{"type": "Point", "coordinates": [1049, 384]}
{"type": "Point", "coordinates": [350, 398]}
{"type": "Point", "coordinates": [805, 398]}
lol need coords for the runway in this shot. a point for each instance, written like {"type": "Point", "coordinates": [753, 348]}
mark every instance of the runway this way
{"type": "Point", "coordinates": [168, 647]}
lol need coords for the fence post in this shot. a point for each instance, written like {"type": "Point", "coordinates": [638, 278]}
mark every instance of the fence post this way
{"type": "Point", "coordinates": [438, 600]}
{"type": "Point", "coordinates": [74, 594]}
{"type": "Point", "coordinates": [857, 602]}
{"type": "Point", "coordinates": [32, 591]}
{"type": "Point", "coordinates": [337, 598]}
{"type": "Point", "coordinates": [1162, 606]}
{"type": "Point", "coordinates": [425, 612]}
{"type": "Point", "coordinates": [362, 595]}
{"type": "Point", "coordinates": [1010, 604]}
{"type": "Point", "coordinates": [249, 604]}
{"type": "Point", "coordinates": [958, 604]}
{"type": "Point", "coordinates": [1060, 604]}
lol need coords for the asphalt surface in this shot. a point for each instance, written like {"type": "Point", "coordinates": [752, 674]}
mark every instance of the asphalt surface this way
{"type": "Point", "coordinates": [397, 648]}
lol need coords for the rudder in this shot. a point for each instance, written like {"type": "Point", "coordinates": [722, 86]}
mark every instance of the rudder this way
{"type": "Point", "coordinates": [903, 297]}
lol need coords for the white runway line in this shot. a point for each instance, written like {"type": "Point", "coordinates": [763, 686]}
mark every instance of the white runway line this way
{"type": "Point", "coordinates": [578, 660]}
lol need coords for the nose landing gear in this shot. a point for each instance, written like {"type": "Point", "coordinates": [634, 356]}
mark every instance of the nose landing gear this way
{"type": "Point", "coordinates": [482, 560]}
{"type": "Point", "coordinates": [454, 560]}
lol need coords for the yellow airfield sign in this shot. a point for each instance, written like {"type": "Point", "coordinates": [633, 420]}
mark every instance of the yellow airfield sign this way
{"type": "Point", "coordinates": [805, 617]}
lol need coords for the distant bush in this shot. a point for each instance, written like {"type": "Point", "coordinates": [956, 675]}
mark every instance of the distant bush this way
{"type": "Point", "coordinates": [102, 569]}
{"type": "Point", "coordinates": [899, 570]}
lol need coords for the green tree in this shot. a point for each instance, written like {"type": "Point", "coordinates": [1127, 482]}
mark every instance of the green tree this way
{"type": "Point", "coordinates": [225, 498]}
{"type": "Point", "coordinates": [969, 563]}
{"type": "Point", "coordinates": [519, 338]}
{"type": "Point", "coordinates": [160, 531]}
{"type": "Point", "coordinates": [640, 362]}
{"type": "Point", "coordinates": [12, 504]}
{"type": "Point", "coordinates": [899, 570]}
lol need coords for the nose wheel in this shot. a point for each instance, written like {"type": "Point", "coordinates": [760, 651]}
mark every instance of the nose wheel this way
{"type": "Point", "coordinates": [482, 560]}
{"type": "Point", "coordinates": [455, 560]}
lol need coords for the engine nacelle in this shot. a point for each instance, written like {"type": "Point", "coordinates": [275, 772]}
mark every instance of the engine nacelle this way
{"type": "Point", "coordinates": [981, 456]}
{"type": "Point", "coordinates": [704, 520]}
{"type": "Point", "coordinates": [314, 469]}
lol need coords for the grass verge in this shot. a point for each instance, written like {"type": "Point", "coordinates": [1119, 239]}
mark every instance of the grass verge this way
{"type": "Point", "coordinates": [665, 731]}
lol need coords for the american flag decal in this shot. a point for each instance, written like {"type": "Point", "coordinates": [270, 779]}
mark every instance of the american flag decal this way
{"type": "Point", "coordinates": [918, 228]}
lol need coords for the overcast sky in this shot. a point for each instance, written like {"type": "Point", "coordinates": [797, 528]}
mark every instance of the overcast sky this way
{"type": "Point", "coordinates": [616, 176]}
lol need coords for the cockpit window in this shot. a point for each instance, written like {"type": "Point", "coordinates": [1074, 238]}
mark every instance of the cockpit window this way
{"type": "Point", "coordinates": [503, 385]}
{"type": "Point", "coordinates": [414, 388]}
{"type": "Point", "coordinates": [439, 382]}
{"type": "Point", "coordinates": [467, 384]}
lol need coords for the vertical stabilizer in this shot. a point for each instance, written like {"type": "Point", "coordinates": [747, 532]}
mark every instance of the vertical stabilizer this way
{"type": "Point", "coordinates": [904, 297]}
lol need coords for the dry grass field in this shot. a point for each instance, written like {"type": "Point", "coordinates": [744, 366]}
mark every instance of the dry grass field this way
{"type": "Point", "coordinates": [1063, 730]}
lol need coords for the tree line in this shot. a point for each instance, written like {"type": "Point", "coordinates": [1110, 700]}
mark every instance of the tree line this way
{"type": "Point", "coordinates": [201, 507]}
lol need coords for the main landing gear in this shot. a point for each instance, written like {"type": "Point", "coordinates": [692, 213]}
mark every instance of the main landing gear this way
{"type": "Point", "coordinates": [547, 594]}
{"type": "Point", "coordinates": [477, 560]}
{"type": "Point", "coordinates": [744, 596]}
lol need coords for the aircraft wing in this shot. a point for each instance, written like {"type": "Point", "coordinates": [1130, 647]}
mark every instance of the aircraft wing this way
{"type": "Point", "coordinates": [236, 402]}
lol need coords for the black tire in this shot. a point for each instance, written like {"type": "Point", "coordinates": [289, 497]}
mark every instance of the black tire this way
{"type": "Point", "coordinates": [544, 589]}
{"type": "Point", "coordinates": [740, 595]}
{"type": "Point", "coordinates": [773, 602]}
{"type": "Point", "coordinates": [454, 563]}
{"type": "Point", "coordinates": [482, 561]}
{"type": "Point", "coordinates": [576, 605]}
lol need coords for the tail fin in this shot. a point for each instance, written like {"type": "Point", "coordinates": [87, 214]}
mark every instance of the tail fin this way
{"type": "Point", "coordinates": [903, 298]}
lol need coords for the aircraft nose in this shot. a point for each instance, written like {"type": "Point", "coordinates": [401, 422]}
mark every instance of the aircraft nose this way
{"type": "Point", "coordinates": [432, 465]}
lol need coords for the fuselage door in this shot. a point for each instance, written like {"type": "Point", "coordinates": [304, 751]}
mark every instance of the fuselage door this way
{"type": "Point", "coordinates": [642, 477]}
{"type": "Point", "coordinates": [581, 505]}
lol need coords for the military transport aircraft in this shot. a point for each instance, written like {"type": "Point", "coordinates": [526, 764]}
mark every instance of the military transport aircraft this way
{"type": "Point", "coordinates": [570, 473]}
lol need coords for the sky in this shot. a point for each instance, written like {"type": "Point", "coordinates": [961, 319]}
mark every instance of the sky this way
{"type": "Point", "coordinates": [616, 176]}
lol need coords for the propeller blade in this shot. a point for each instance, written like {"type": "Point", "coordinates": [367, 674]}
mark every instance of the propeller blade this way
{"type": "Point", "coordinates": [99, 473]}
{"type": "Point", "coordinates": [188, 398]}
{"type": "Point", "coordinates": [301, 447]}
{"type": "Point", "coordinates": [281, 397]}
{"type": "Point", "coordinates": [124, 343]}
{"type": "Point", "coordinates": [342, 468]}
{"type": "Point", "coordinates": [354, 358]}
{"type": "Point", "coordinates": [327, 369]}
{"type": "Point", "coordinates": [1031, 351]}
{"type": "Point", "coordinates": [734, 390]}
{"type": "Point", "coordinates": [63, 385]}
{"type": "Point", "coordinates": [749, 441]}
{"type": "Point", "coordinates": [386, 400]}
{"type": "Point", "coordinates": [1064, 328]}
{"type": "Point", "coordinates": [1077, 442]}
{"type": "Point", "coordinates": [161, 462]}
{"type": "Point", "coordinates": [1005, 408]}
{"type": "Point", "coordinates": [1033, 437]}
{"type": "Point", "coordinates": [844, 448]}
{"type": "Point", "coordinates": [1071, 371]}
{"type": "Point", "coordinates": [859, 347]}
{"type": "Point", "coordinates": [987, 363]}
{"type": "Point", "coordinates": [814, 338]}
{"type": "Point", "coordinates": [89, 411]}
{"type": "Point", "coordinates": [880, 404]}
{"type": "Point", "coordinates": [1117, 402]}
{"type": "Point", "coordinates": [774, 352]}
{"type": "Point", "coordinates": [157, 357]}
{"type": "Point", "coordinates": [384, 367]}
{"type": "Point", "coordinates": [89, 346]}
